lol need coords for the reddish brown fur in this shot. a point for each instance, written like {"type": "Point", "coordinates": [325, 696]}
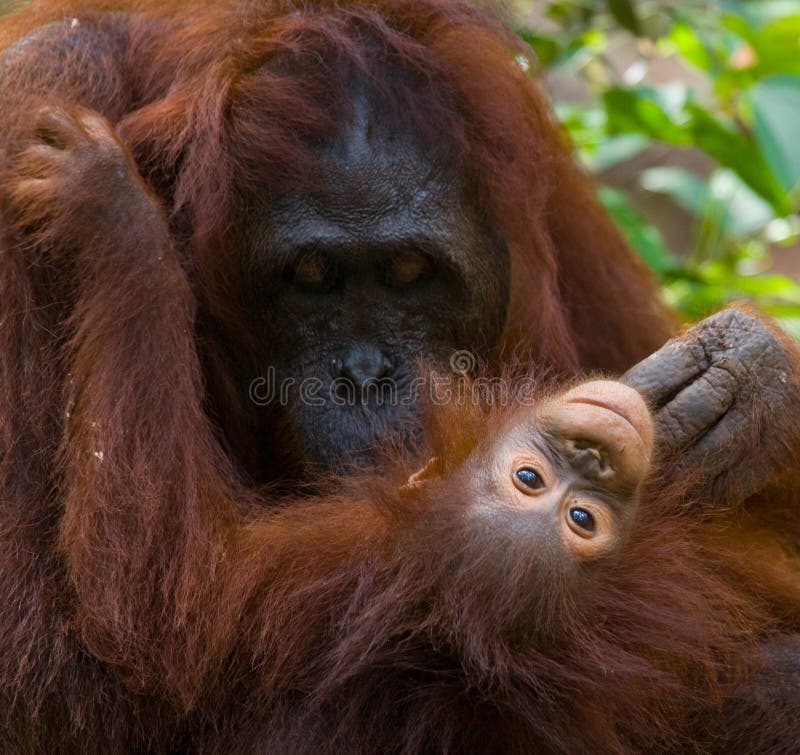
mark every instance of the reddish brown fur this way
{"type": "Point", "coordinates": [150, 600]}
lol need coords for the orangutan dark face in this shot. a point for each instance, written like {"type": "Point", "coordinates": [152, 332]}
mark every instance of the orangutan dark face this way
{"type": "Point", "coordinates": [386, 264]}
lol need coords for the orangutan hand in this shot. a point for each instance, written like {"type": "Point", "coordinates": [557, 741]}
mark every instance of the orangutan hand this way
{"type": "Point", "coordinates": [726, 404]}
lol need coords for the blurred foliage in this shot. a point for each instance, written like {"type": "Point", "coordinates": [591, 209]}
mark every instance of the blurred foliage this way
{"type": "Point", "coordinates": [738, 103]}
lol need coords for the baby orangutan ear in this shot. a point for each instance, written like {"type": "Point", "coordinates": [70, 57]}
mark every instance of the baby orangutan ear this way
{"type": "Point", "coordinates": [432, 469]}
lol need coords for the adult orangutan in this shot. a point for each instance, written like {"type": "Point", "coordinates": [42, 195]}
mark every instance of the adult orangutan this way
{"type": "Point", "coordinates": [193, 198]}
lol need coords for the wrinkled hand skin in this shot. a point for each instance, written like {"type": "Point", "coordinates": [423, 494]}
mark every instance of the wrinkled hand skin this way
{"type": "Point", "coordinates": [726, 405]}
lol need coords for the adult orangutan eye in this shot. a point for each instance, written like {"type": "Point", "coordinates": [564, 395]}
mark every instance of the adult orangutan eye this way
{"type": "Point", "coordinates": [312, 272]}
{"type": "Point", "coordinates": [530, 478]}
{"type": "Point", "coordinates": [582, 519]}
{"type": "Point", "coordinates": [406, 268]}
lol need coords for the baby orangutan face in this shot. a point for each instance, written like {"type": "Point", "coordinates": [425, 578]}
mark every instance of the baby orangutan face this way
{"type": "Point", "coordinates": [565, 476]}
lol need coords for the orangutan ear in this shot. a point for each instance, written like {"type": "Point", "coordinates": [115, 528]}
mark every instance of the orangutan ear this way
{"type": "Point", "coordinates": [430, 470]}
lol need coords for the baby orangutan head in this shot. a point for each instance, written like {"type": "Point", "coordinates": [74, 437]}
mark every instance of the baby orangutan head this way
{"type": "Point", "coordinates": [551, 492]}
{"type": "Point", "coordinates": [571, 469]}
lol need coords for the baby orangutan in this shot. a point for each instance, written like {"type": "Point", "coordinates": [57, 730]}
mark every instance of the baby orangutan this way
{"type": "Point", "coordinates": [569, 586]}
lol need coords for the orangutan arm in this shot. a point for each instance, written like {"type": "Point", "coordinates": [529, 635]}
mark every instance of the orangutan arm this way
{"type": "Point", "coordinates": [166, 556]}
{"type": "Point", "coordinates": [75, 60]}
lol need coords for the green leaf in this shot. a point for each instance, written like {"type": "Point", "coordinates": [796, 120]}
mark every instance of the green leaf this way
{"type": "Point", "coordinates": [776, 108]}
{"type": "Point", "coordinates": [742, 212]}
{"type": "Point", "coordinates": [687, 189]}
{"type": "Point", "coordinates": [739, 25]}
{"type": "Point", "coordinates": [637, 111]}
{"type": "Point", "coordinates": [759, 12]}
{"type": "Point", "coordinates": [723, 199]}
{"type": "Point", "coordinates": [625, 15]}
{"type": "Point", "coordinates": [738, 152]}
{"type": "Point", "coordinates": [643, 237]}
{"type": "Point", "coordinates": [616, 149]}
{"type": "Point", "coordinates": [585, 123]}
{"type": "Point", "coordinates": [778, 46]}
{"type": "Point", "coordinates": [547, 49]}
{"type": "Point", "coordinates": [690, 46]}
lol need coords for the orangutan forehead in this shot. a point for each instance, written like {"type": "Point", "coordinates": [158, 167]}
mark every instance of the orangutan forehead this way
{"type": "Point", "coordinates": [300, 121]}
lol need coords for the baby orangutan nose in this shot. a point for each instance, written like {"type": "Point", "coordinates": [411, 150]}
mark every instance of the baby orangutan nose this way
{"type": "Point", "coordinates": [606, 429]}
{"type": "Point", "coordinates": [588, 460]}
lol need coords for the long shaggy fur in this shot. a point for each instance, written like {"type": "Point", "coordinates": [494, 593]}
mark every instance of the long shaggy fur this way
{"type": "Point", "coordinates": [151, 601]}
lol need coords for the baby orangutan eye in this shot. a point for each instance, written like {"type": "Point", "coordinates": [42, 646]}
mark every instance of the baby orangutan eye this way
{"type": "Point", "coordinates": [582, 519]}
{"type": "Point", "coordinates": [530, 478]}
